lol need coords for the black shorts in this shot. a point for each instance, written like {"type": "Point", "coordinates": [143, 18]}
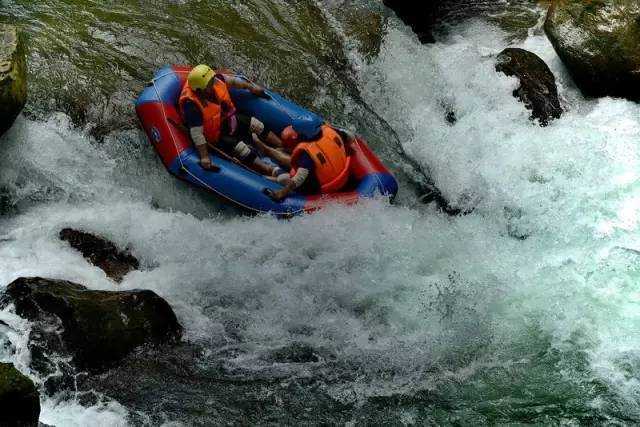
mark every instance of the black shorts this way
{"type": "Point", "coordinates": [243, 131]}
{"type": "Point", "coordinates": [242, 134]}
{"type": "Point", "coordinates": [311, 185]}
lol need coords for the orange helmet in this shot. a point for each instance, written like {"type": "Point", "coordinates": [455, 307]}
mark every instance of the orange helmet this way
{"type": "Point", "coordinates": [289, 137]}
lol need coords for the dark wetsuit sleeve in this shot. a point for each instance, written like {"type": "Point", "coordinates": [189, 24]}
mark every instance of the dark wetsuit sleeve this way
{"type": "Point", "coordinates": [192, 115]}
{"type": "Point", "coordinates": [343, 135]}
{"type": "Point", "coordinates": [310, 185]}
{"type": "Point", "coordinates": [306, 162]}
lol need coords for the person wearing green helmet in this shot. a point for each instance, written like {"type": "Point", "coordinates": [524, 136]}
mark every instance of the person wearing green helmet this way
{"type": "Point", "coordinates": [211, 117]}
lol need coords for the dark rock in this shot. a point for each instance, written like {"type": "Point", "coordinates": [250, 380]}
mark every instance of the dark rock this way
{"type": "Point", "coordinates": [598, 42]}
{"type": "Point", "coordinates": [101, 253]}
{"type": "Point", "coordinates": [295, 353]}
{"type": "Point", "coordinates": [449, 112]}
{"type": "Point", "coordinates": [514, 17]}
{"type": "Point", "coordinates": [13, 76]}
{"type": "Point", "coordinates": [537, 88]}
{"type": "Point", "coordinates": [430, 17]}
{"type": "Point", "coordinates": [19, 398]}
{"type": "Point", "coordinates": [419, 15]}
{"type": "Point", "coordinates": [97, 327]}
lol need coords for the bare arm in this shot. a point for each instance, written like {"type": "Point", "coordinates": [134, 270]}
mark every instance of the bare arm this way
{"type": "Point", "coordinates": [284, 192]}
{"type": "Point", "coordinates": [197, 134]}
{"type": "Point", "coordinates": [300, 177]}
{"type": "Point", "coordinates": [239, 83]}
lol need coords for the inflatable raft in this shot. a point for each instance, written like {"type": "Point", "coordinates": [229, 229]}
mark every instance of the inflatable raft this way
{"type": "Point", "coordinates": [157, 108]}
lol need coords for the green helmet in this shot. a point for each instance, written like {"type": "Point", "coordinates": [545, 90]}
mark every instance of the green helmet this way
{"type": "Point", "coordinates": [200, 76]}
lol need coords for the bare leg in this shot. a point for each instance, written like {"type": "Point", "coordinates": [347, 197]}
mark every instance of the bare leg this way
{"type": "Point", "coordinates": [280, 157]}
{"type": "Point", "coordinates": [273, 140]}
{"type": "Point", "coordinates": [263, 167]}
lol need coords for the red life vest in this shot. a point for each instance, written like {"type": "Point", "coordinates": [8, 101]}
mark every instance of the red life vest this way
{"type": "Point", "coordinates": [329, 157]}
{"type": "Point", "coordinates": [211, 110]}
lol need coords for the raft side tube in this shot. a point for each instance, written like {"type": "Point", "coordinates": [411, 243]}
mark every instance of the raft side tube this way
{"type": "Point", "coordinates": [236, 184]}
{"type": "Point", "coordinates": [166, 138]}
{"type": "Point", "coordinates": [165, 87]}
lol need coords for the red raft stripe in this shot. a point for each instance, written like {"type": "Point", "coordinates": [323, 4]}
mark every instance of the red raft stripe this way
{"type": "Point", "coordinates": [363, 161]}
{"type": "Point", "coordinates": [162, 133]}
{"type": "Point", "coordinates": [315, 202]}
{"type": "Point", "coordinates": [182, 72]}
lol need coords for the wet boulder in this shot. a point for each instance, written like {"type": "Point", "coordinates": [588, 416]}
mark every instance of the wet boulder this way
{"type": "Point", "coordinates": [419, 15]}
{"type": "Point", "coordinates": [101, 253]}
{"type": "Point", "coordinates": [97, 328]}
{"type": "Point", "coordinates": [598, 42]}
{"type": "Point", "coordinates": [537, 90]}
{"type": "Point", "coordinates": [19, 398]}
{"type": "Point", "coordinates": [13, 76]}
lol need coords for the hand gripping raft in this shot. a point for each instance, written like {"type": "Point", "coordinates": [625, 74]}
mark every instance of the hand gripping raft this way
{"type": "Point", "coordinates": [157, 108]}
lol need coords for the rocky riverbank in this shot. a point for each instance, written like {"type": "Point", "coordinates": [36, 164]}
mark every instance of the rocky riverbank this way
{"type": "Point", "coordinates": [13, 76]}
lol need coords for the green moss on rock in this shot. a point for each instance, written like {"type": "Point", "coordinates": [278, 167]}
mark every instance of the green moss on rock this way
{"type": "Point", "coordinates": [19, 398]}
{"type": "Point", "coordinates": [599, 43]}
{"type": "Point", "coordinates": [13, 76]}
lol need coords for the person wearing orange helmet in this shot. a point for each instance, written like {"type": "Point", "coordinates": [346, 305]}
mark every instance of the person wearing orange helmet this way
{"type": "Point", "coordinates": [318, 165]}
{"type": "Point", "coordinates": [211, 117]}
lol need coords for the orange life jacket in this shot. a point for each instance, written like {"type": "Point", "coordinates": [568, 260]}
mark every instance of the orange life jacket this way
{"type": "Point", "coordinates": [211, 110]}
{"type": "Point", "coordinates": [329, 157]}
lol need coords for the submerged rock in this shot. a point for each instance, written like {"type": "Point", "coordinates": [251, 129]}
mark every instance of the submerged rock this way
{"type": "Point", "coordinates": [13, 76]}
{"type": "Point", "coordinates": [537, 88]}
{"type": "Point", "coordinates": [97, 327]}
{"type": "Point", "coordinates": [598, 42]}
{"type": "Point", "coordinates": [419, 15]}
{"type": "Point", "coordinates": [101, 253]}
{"type": "Point", "coordinates": [19, 398]}
{"type": "Point", "coordinates": [295, 352]}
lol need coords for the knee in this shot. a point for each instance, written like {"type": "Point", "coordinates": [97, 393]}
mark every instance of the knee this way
{"type": "Point", "coordinates": [258, 128]}
{"type": "Point", "coordinates": [242, 150]}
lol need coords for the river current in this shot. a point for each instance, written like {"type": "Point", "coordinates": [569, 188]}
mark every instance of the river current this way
{"type": "Point", "coordinates": [523, 310]}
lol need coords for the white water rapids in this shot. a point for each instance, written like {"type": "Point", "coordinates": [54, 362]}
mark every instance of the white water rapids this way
{"type": "Point", "coordinates": [409, 298]}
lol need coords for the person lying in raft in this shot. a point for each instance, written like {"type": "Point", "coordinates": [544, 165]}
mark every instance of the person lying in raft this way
{"type": "Point", "coordinates": [211, 117]}
{"type": "Point", "coordinates": [319, 165]}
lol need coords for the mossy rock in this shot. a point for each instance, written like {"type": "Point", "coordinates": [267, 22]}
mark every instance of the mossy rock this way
{"type": "Point", "coordinates": [367, 29]}
{"type": "Point", "coordinates": [13, 76]}
{"type": "Point", "coordinates": [537, 90]}
{"type": "Point", "coordinates": [599, 43]}
{"type": "Point", "coordinates": [19, 398]}
{"type": "Point", "coordinates": [98, 327]}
